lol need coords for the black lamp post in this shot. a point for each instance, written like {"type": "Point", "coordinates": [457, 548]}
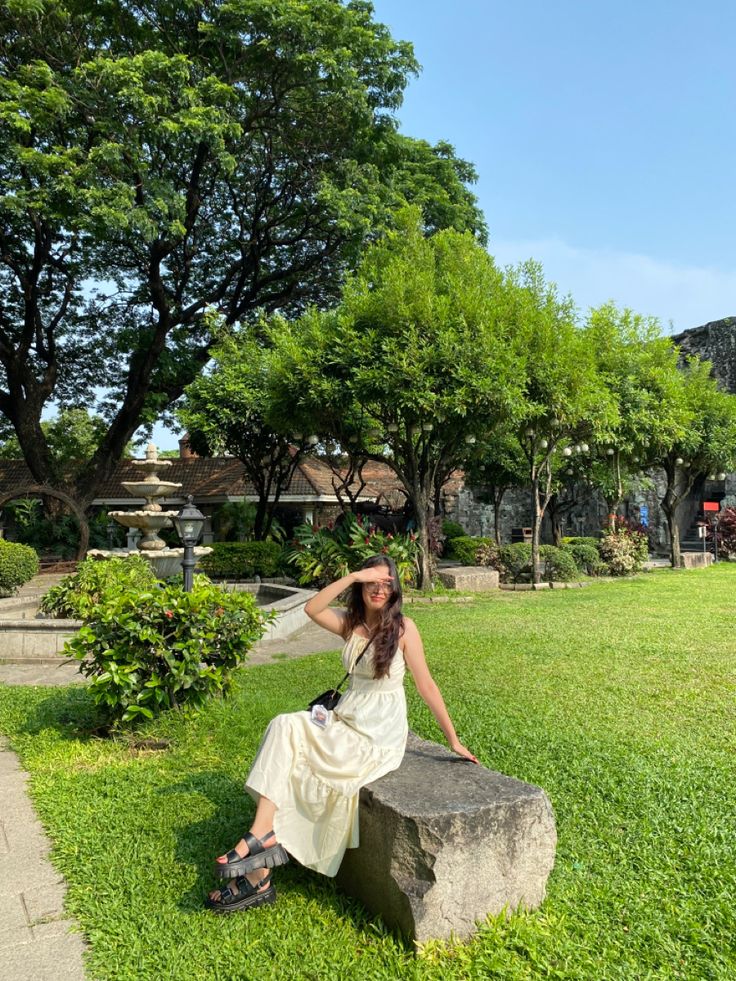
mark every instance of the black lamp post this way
{"type": "Point", "coordinates": [189, 523]}
{"type": "Point", "coordinates": [112, 527]}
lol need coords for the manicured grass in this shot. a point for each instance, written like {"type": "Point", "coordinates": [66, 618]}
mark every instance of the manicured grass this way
{"type": "Point", "coordinates": [618, 699]}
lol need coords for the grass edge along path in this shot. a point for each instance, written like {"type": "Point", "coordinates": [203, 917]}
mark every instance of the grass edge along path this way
{"type": "Point", "coordinates": [617, 699]}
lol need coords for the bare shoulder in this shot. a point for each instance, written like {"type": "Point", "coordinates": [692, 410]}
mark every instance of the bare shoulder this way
{"type": "Point", "coordinates": [409, 625]}
{"type": "Point", "coordinates": [409, 634]}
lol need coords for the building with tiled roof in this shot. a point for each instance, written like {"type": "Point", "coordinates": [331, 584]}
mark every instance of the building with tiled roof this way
{"type": "Point", "coordinates": [213, 481]}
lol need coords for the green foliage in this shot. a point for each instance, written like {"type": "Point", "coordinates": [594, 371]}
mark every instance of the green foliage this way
{"type": "Point", "coordinates": [464, 549]}
{"type": "Point", "coordinates": [18, 564]}
{"type": "Point", "coordinates": [322, 555]}
{"type": "Point", "coordinates": [95, 582]}
{"type": "Point", "coordinates": [72, 437]}
{"type": "Point", "coordinates": [644, 885]}
{"type": "Point", "coordinates": [557, 564]}
{"type": "Point", "coordinates": [157, 152]}
{"type": "Point", "coordinates": [228, 410]}
{"type": "Point", "coordinates": [451, 529]}
{"type": "Point", "coordinates": [234, 521]}
{"type": "Point", "coordinates": [149, 650]}
{"type": "Point", "coordinates": [488, 553]}
{"type": "Point", "coordinates": [580, 540]}
{"type": "Point", "coordinates": [420, 355]}
{"type": "Point", "coordinates": [46, 535]}
{"type": "Point", "coordinates": [623, 550]}
{"type": "Point", "coordinates": [586, 556]}
{"type": "Point", "coordinates": [242, 560]}
{"type": "Point", "coordinates": [516, 561]}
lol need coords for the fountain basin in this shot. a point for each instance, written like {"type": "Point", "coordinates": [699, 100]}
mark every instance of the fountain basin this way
{"type": "Point", "coordinates": [166, 562]}
{"type": "Point", "coordinates": [151, 489]}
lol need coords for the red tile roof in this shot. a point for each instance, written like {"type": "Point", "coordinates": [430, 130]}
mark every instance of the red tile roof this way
{"type": "Point", "coordinates": [222, 477]}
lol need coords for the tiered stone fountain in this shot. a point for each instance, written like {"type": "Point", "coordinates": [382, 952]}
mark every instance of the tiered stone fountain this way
{"type": "Point", "coordinates": [151, 519]}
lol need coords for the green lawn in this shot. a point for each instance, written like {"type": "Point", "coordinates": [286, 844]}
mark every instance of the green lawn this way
{"type": "Point", "coordinates": [618, 699]}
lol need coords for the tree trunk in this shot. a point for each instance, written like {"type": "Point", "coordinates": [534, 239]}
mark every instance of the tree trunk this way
{"type": "Point", "coordinates": [537, 516]}
{"type": "Point", "coordinates": [674, 530]}
{"type": "Point", "coordinates": [421, 513]}
{"type": "Point", "coordinates": [497, 499]}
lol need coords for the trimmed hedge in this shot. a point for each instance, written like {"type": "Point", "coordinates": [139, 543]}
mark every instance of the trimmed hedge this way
{"type": "Point", "coordinates": [18, 564]}
{"type": "Point", "coordinates": [465, 548]}
{"type": "Point", "coordinates": [558, 565]}
{"type": "Point", "coordinates": [242, 560]}
{"type": "Point", "coordinates": [586, 557]}
{"type": "Point", "coordinates": [451, 529]}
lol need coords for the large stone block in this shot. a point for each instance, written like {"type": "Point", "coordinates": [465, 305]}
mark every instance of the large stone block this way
{"type": "Point", "coordinates": [444, 842]}
{"type": "Point", "coordinates": [695, 560]}
{"type": "Point", "coordinates": [471, 578]}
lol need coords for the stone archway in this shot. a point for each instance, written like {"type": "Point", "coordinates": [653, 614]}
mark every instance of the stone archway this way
{"type": "Point", "coordinates": [46, 491]}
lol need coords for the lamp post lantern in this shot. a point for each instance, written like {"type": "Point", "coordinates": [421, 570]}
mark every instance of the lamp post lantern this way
{"type": "Point", "coordinates": [189, 523]}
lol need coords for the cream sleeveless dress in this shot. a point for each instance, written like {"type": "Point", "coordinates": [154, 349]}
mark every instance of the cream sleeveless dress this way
{"type": "Point", "coordinates": [314, 775]}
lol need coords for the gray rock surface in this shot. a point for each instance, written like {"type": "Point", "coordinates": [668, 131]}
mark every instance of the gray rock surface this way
{"type": "Point", "coordinates": [444, 842]}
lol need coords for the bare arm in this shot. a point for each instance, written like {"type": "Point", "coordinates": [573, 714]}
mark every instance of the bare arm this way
{"type": "Point", "coordinates": [318, 607]}
{"type": "Point", "coordinates": [427, 687]}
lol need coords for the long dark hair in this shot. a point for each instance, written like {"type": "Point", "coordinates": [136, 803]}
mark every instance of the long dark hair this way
{"type": "Point", "coordinates": [385, 637]}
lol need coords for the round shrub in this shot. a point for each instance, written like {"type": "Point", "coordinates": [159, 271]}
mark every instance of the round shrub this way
{"type": "Point", "coordinates": [96, 581]}
{"type": "Point", "coordinates": [487, 554]}
{"type": "Point", "coordinates": [623, 552]}
{"type": "Point", "coordinates": [557, 564]}
{"type": "Point", "coordinates": [586, 557]}
{"type": "Point", "coordinates": [464, 549]}
{"type": "Point", "coordinates": [242, 560]}
{"type": "Point", "coordinates": [18, 564]}
{"type": "Point", "coordinates": [147, 651]}
{"type": "Point", "coordinates": [516, 561]}
{"type": "Point", "coordinates": [451, 529]}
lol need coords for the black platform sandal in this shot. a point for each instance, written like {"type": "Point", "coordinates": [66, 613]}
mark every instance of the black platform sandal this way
{"type": "Point", "coordinates": [258, 857]}
{"type": "Point", "coordinates": [247, 896]}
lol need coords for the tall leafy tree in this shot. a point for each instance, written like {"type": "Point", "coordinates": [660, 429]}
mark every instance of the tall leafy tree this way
{"type": "Point", "coordinates": [163, 160]}
{"type": "Point", "coordinates": [564, 399]}
{"type": "Point", "coordinates": [418, 357]}
{"type": "Point", "coordinates": [707, 442]}
{"type": "Point", "coordinates": [640, 370]}
{"type": "Point", "coordinates": [228, 410]}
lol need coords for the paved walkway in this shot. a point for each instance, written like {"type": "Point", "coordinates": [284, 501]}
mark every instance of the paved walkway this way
{"type": "Point", "coordinates": [35, 939]}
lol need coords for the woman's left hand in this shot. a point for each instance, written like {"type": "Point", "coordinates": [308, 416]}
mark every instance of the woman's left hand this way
{"type": "Point", "coordinates": [463, 751]}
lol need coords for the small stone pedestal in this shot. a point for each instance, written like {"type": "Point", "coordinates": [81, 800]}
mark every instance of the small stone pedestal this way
{"type": "Point", "coordinates": [444, 842]}
{"type": "Point", "coordinates": [471, 578]}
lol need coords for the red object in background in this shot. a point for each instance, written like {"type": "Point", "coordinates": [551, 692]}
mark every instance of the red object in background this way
{"type": "Point", "coordinates": [711, 506]}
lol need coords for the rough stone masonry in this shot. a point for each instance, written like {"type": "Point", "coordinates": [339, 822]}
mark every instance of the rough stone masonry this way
{"type": "Point", "coordinates": [444, 842]}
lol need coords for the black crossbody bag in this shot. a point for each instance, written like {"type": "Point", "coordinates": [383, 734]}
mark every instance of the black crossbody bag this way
{"type": "Point", "coordinates": [331, 697]}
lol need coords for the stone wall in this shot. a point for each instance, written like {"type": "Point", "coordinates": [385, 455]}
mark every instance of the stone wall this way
{"type": "Point", "coordinates": [716, 342]}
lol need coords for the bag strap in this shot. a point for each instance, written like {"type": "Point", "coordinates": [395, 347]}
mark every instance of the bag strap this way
{"type": "Point", "coordinates": [348, 673]}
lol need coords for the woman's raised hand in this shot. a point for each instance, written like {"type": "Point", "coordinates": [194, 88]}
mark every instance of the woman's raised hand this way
{"type": "Point", "coordinates": [374, 573]}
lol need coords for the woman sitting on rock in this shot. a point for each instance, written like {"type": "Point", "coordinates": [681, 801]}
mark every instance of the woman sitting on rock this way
{"type": "Point", "coordinates": [309, 768]}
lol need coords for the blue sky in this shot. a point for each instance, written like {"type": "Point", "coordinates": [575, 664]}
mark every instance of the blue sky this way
{"type": "Point", "coordinates": [603, 136]}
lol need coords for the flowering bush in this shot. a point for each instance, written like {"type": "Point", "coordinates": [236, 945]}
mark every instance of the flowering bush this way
{"type": "Point", "coordinates": [726, 531]}
{"type": "Point", "coordinates": [148, 650]}
{"type": "Point", "coordinates": [321, 555]}
{"type": "Point", "coordinates": [625, 549]}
